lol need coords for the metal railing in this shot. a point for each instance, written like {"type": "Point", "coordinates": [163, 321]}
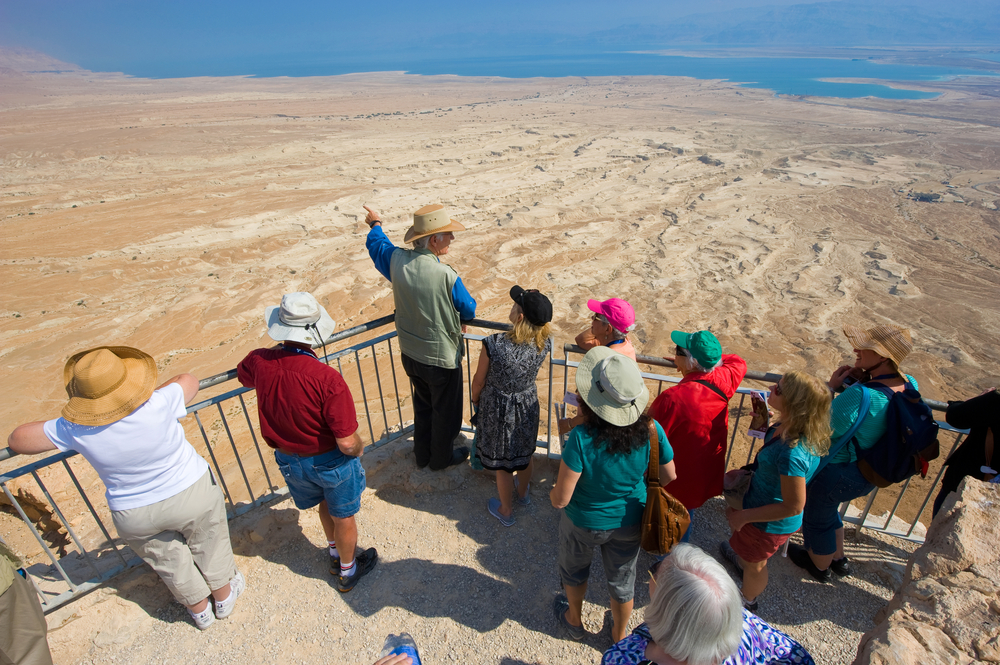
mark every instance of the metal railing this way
{"type": "Point", "coordinates": [78, 553]}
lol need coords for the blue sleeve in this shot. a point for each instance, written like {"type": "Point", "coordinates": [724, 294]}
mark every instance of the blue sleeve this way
{"type": "Point", "coordinates": [464, 303]}
{"type": "Point", "coordinates": [844, 410]}
{"type": "Point", "coordinates": [666, 451]}
{"type": "Point", "coordinates": [380, 248]}
{"type": "Point", "coordinates": [794, 462]}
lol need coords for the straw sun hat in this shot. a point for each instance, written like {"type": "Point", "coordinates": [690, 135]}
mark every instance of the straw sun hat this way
{"type": "Point", "coordinates": [885, 339]}
{"type": "Point", "coordinates": [429, 220]}
{"type": "Point", "coordinates": [107, 383]}
{"type": "Point", "coordinates": [611, 385]}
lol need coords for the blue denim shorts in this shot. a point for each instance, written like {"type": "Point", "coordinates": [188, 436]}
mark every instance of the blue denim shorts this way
{"type": "Point", "coordinates": [333, 477]}
{"type": "Point", "coordinates": [835, 484]}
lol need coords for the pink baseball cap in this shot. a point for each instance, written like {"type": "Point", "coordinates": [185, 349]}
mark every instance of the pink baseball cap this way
{"type": "Point", "coordinates": [618, 312]}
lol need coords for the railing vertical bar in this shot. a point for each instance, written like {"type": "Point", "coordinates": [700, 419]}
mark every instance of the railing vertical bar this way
{"type": "Point", "coordinates": [753, 444]}
{"type": "Point", "coordinates": [253, 435]}
{"type": "Point", "coordinates": [364, 395]}
{"type": "Point", "coordinates": [659, 387]}
{"type": "Point", "coordinates": [211, 453]}
{"type": "Point", "coordinates": [934, 486]}
{"type": "Point", "coordinates": [899, 497]}
{"type": "Point", "coordinates": [41, 541]}
{"type": "Point", "coordinates": [65, 523]}
{"type": "Point", "coordinates": [864, 514]}
{"type": "Point", "coordinates": [381, 395]}
{"type": "Point", "coordinates": [93, 512]}
{"type": "Point", "coordinates": [38, 592]}
{"type": "Point", "coordinates": [395, 386]}
{"type": "Point", "coordinates": [236, 453]}
{"type": "Point", "coordinates": [548, 424]}
{"type": "Point", "coordinates": [736, 426]}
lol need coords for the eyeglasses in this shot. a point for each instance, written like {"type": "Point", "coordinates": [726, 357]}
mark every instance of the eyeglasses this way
{"type": "Point", "coordinates": [600, 318]}
{"type": "Point", "coordinates": [679, 351]}
{"type": "Point", "coordinates": [776, 389]}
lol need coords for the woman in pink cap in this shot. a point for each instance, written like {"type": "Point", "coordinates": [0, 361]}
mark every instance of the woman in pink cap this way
{"type": "Point", "coordinates": [613, 320]}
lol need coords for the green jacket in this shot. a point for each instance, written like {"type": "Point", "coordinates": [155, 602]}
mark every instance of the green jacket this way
{"type": "Point", "coordinates": [427, 322]}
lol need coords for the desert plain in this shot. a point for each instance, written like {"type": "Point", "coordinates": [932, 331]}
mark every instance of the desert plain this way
{"type": "Point", "coordinates": [166, 214]}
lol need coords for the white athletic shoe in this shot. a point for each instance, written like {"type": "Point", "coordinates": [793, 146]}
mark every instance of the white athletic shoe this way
{"type": "Point", "coordinates": [203, 619]}
{"type": "Point", "coordinates": [224, 608]}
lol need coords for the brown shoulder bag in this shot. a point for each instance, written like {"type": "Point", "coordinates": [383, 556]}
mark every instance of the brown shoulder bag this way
{"type": "Point", "coordinates": [665, 519]}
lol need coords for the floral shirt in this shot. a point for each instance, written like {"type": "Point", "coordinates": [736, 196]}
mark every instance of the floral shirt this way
{"type": "Point", "coordinates": [760, 645]}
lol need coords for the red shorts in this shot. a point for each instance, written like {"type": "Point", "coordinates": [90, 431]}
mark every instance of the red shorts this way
{"type": "Point", "coordinates": [754, 545]}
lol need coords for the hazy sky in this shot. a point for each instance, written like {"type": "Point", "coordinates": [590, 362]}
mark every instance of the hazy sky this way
{"type": "Point", "coordinates": [110, 34]}
{"type": "Point", "coordinates": [174, 35]}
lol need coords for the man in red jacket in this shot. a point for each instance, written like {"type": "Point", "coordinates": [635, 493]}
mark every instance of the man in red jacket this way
{"type": "Point", "coordinates": [695, 415]}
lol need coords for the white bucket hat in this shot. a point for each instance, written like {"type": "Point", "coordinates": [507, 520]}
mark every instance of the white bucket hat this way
{"type": "Point", "coordinates": [299, 318]}
{"type": "Point", "coordinates": [612, 386]}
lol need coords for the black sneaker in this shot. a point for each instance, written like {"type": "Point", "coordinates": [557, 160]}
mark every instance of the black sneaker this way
{"type": "Point", "coordinates": [748, 606]}
{"type": "Point", "coordinates": [800, 557]}
{"type": "Point", "coordinates": [841, 567]}
{"type": "Point", "coordinates": [364, 563]}
{"type": "Point", "coordinates": [334, 565]}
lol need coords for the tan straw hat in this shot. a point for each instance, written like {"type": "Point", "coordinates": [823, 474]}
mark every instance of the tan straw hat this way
{"type": "Point", "coordinates": [107, 383]}
{"type": "Point", "coordinates": [429, 220]}
{"type": "Point", "coordinates": [885, 339]}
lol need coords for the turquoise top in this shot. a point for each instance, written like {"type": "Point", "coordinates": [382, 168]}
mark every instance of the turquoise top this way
{"type": "Point", "coordinates": [844, 411]}
{"type": "Point", "coordinates": [611, 492]}
{"type": "Point", "coordinates": [777, 459]}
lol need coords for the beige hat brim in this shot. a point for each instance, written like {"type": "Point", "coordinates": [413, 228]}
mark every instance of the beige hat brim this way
{"type": "Point", "coordinates": [412, 233]}
{"type": "Point", "coordinates": [134, 391]}
{"type": "Point", "coordinates": [587, 376]}
{"type": "Point", "coordinates": [896, 350]}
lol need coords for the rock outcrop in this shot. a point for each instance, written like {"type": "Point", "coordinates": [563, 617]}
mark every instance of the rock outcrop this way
{"type": "Point", "coordinates": [947, 611]}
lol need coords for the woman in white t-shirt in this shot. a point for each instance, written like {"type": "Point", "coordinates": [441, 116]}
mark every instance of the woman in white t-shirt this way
{"type": "Point", "coordinates": [164, 501]}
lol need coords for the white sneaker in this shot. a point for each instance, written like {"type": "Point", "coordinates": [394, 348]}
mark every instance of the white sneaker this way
{"type": "Point", "coordinates": [203, 619]}
{"type": "Point", "coordinates": [224, 608]}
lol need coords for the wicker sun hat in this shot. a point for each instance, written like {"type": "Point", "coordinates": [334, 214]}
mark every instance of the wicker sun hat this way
{"type": "Point", "coordinates": [611, 385]}
{"type": "Point", "coordinates": [107, 383]}
{"type": "Point", "coordinates": [429, 220]}
{"type": "Point", "coordinates": [885, 339]}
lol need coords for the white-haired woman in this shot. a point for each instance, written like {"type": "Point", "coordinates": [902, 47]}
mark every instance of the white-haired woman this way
{"type": "Point", "coordinates": [602, 488]}
{"type": "Point", "coordinates": [695, 617]}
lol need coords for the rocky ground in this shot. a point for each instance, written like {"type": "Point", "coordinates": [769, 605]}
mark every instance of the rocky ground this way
{"type": "Point", "coordinates": [467, 589]}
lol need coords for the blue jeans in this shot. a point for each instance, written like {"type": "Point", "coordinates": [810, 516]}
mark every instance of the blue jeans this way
{"type": "Point", "coordinates": [332, 477]}
{"type": "Point", "coordinates": [835, 484]}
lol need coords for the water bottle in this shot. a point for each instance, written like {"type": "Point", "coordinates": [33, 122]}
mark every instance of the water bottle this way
{"type": "Point", "coordinates": [400, 644]}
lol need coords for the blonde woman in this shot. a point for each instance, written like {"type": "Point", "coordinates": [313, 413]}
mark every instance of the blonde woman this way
{"type": "Point", "coordinates": [505, 392]}
{"type": "Point", "coordinates": [772, 506]}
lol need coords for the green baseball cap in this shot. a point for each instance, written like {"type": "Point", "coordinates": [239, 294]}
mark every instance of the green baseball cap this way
{"type": "Point", "coordinates": [703, 345]}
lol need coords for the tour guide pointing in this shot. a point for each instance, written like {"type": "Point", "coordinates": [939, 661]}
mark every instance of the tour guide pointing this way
{"type": "Point", "coordinates": [432, 305]}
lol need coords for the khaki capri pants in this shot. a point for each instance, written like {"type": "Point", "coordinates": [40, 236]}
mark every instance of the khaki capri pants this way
{"type": "Point", "coordinates": [184, 538]}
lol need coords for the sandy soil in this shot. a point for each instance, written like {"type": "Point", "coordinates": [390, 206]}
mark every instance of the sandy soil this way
{"type": "Point", "coordinates": [466, 588]}
{"type": "Point", "coordinates": [167, 214]}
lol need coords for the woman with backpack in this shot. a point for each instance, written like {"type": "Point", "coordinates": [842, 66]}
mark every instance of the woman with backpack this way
{"type": "Point", "coordinates": [879, 351]}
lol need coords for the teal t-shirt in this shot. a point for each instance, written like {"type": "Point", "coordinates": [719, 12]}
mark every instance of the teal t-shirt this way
{"type": "Point", "coordinates": [843, 413]}
{"type": "Point", "coordinates": [774, 461]}
{"type": "Point", "coordinates": [611, 492]}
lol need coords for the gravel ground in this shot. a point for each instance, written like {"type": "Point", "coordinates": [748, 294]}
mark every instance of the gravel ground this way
{"type": "Point", "coordinates": [466, 588]}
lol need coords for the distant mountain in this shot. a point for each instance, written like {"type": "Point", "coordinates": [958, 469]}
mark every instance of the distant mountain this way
{"type": "Point", "coordinates": [28, 61]}
{"type": "Point", "coordinates": [825, 24]}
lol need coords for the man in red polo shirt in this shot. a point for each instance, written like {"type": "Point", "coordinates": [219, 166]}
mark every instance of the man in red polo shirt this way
{"type": "Point", "coordinates": [695, 416]}
{"type": "Point", "coordinates": [307, 415]}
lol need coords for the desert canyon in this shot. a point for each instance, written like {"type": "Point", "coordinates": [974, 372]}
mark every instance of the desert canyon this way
{"type": "Point", "coordinates": [166, 214]}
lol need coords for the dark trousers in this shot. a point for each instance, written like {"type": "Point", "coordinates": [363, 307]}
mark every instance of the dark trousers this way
{"type": "Point", "coordinates": [437, 411]}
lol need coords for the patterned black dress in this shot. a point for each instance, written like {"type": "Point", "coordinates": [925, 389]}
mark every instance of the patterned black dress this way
{"type": "Point", "coordinates": [508, 404]}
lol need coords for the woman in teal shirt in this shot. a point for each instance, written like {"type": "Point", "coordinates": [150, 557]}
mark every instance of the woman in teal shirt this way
{"type": "Point", "coordinates": [601, 486]}
{"type": "Point", "coordinates": [879, 351]}
{"type": "Point", "coordinates": [772, 506]}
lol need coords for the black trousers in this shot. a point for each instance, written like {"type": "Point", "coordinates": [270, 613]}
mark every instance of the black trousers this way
{"type": "Point", "coordinates": [437, 411]}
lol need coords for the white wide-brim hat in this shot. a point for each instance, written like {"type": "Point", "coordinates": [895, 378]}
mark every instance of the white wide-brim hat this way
{"type": "Point", "coordinates": [611, 385]}
{"type": "Point", "coordinates": [299, 318]}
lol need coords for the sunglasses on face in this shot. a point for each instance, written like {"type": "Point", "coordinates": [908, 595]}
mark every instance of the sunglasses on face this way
{"type": "Point", "coordinates": [600, 318]}
{"type": "Point", "coordinates": [678, 351]}
{"type": "Point", "coordinates": [776, 389]}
